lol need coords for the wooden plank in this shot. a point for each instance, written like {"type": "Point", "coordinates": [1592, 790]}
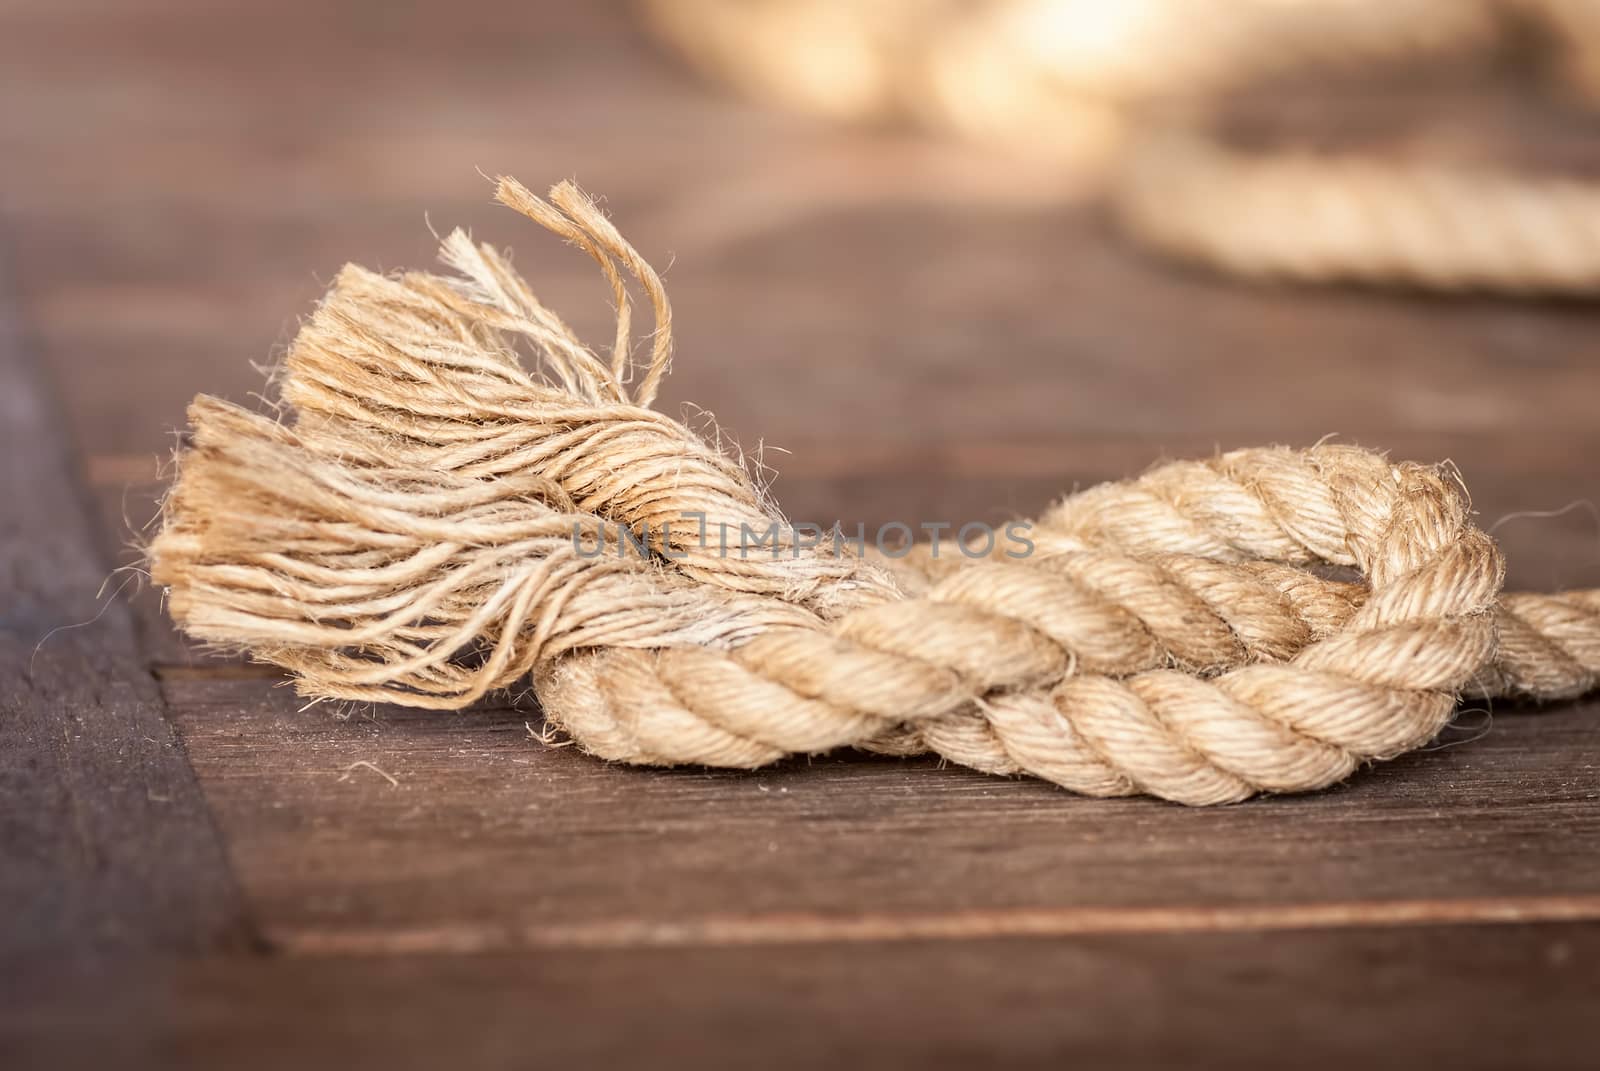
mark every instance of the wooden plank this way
{"type": "Point", "coordinates": [107, 842]}
{"type": "Point", "coordinates": [830, 284]}
{"type": "Point", "coordinates": [1059, 333]}
{"type": "Point", "coordinates": [1481, 997]}
{"type": "Point", "coordinates": [414, 830]}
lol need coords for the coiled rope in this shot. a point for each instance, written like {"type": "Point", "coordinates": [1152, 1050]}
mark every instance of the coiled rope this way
{"type": "Point", "coordinates": [415, 533]}
{"type": "Point", "coordinates": [1122, 88]}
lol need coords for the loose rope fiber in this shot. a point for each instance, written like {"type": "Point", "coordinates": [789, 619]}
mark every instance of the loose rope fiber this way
{"type": "Point", "coordinates": [408, 535]}
{"type": "Point", "coordinates": [1123, 89]}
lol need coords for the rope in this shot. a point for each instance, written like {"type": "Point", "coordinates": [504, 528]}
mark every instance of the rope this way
{"type": "Point", "coordinates": [1114, 88]}
{"type": "Point", "coordinates": [419, 532]}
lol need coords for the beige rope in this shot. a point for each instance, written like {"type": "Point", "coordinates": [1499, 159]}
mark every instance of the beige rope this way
{"type": "Point", "coordinates": [1311, 217]}
{"type": "Point", "coordinates": [409, 536]}
{"type": "Point", "coordinates": [1114, 87]}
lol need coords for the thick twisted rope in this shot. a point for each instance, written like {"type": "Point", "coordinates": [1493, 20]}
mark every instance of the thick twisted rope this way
{"type": "Point", "coordinates": [428, 528]}
{"type": "Point", "coordinates": [1311, 218]}
{"type": "Point", "coordinates": [1096, 83]}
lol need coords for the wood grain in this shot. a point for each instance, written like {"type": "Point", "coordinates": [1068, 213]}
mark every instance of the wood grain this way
{"type": "Point", "coordinates": [108, 846]}
{"type": "Point", "coordinates": [466, 832]}
{"type": "Point", "coordinates": [830, 285]}
{"type": "Point", "coordinates": [1478, 997]}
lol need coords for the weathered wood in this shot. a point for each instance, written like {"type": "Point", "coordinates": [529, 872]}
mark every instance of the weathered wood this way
{"type": "Point", "coordinates": [830, 285]}
{"type": "Point", "coordinates": [404, 829]}
{"type": "Point", "coordinates": [1479, 997]}
{"type": "Point", "coordinates": [106, 842]}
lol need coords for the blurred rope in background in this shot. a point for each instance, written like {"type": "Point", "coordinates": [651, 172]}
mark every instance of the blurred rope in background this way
{"type": "Point", "coordinates": [1130, 92]}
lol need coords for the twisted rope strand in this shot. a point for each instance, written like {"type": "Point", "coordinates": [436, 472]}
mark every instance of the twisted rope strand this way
{"type": "Point", "coordinates": [1380, 686]}
{"type": "Point", "coordinates": [432, 526]}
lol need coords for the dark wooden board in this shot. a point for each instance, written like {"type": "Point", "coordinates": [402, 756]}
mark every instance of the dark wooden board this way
{"type": "Point", "coordinates": [1481, 997]}
{"type": "Point", "coordinates": [107, 843]}
{"type": "Point", "coordinates": [831, 286]}
{"type": "Point", "coordinates": [465, 832]}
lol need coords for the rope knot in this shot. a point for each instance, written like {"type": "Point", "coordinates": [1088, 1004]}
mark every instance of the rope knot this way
{"type": "Point", "coordinates": [421, 530]}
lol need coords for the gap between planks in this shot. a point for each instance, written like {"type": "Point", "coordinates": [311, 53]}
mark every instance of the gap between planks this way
{"type": "Point", "coordinates": [714, 931]}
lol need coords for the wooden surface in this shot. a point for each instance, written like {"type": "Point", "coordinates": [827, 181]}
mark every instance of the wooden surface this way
{"type": "Point", "coordinates": [108, 842]}
{"type": "Point", "coordinates": [200, 871]}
